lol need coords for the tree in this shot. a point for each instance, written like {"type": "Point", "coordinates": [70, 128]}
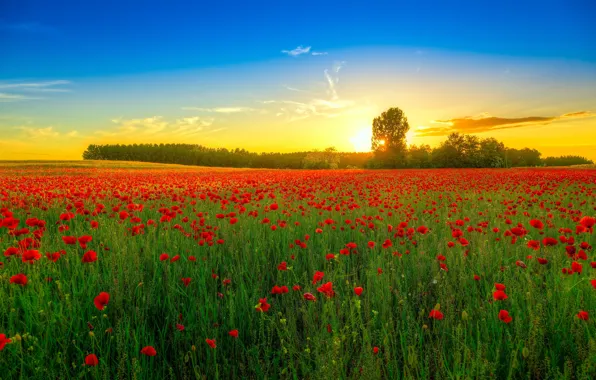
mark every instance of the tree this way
{"type": "Point", "coordinates": [389, 138]}
{"type": "Point", "coordinates": [328, 159]}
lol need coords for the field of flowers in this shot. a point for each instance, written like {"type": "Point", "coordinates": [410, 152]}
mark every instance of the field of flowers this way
{"type": "Point", "coordinates": [155, 273]}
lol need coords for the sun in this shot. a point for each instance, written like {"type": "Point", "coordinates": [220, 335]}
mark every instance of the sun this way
{"type": "Point", "coordinates": [361, 140]}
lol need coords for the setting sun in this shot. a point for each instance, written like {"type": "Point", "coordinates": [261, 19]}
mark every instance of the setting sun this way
{"type": "Point", "coordinates": [362, 140]}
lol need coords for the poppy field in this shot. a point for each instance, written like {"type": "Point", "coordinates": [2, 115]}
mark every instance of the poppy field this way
{"type": "Point", "coordinates": [186, 273]}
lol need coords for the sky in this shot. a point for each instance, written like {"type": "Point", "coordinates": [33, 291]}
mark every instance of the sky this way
{"type": "Point", "coordinates": [294, 76]}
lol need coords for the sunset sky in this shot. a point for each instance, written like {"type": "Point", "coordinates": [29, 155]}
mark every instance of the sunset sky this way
{"type": "Point", "coordinates": [294, 76]}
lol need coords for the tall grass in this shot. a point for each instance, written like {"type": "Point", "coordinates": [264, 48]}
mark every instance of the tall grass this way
{"type": "Point", "coordinates": [331, 338]}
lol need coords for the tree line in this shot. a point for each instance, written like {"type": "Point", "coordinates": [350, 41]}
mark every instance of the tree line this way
{"type": "Point", "coordinates": [389, 150]}
{"type": "Point", "coordinates": [458, 151]}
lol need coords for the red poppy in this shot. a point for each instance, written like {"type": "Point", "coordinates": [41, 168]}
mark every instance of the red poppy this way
{"type": "Point", "coordinates": [499, 295]}
{"type": "Point", "coordinates": [318, 276]}
{"type": "Point", "coordinates": [211, 342]}
{"type": "Point", "coordinates": [30, 256]}
{"type": "Point", "coordinates": [233, 333]}
{"type": "Point", "coordinates": [309, 297]}
{"type": "Point", "coordinates": [263, 306]}
{"type": "Point", "coordinates": [91, 360]}
{"type": "Point", "coordinates": [576, 267]}
{"type": "Point", "coordinates": [499, 286]}
{"type": "Point", "coordinates": [101, 300]}
{"type": "Point", "coordinates": [282, 266]}
{"type": "Point", "coordinates": [504, 316]}
{"type": "Point", "coordinates": [583, 315]}
{"type": "Point", "coordinates": [358, 290]}
{"type": "Point", "coordinates": [19, 279]}
{"type": "Point", "coordinates": [326, 289]}
{"type": "Point", "coordinates": [164, 257]}
{"type": "Point", "coordinates": [70, 240]}
{"type": "Point", "coordinates": [375, 350]}
{"type": "Point", "coordinates": [179, 327]}
{"type": "Point", "coordinates": [90, 257]}
{"type": "Point", "coordinates": [186, 281]}
{"type": "Point", "coordinates": [4, 341]}
{"type": "Point", "coordinates": [149, 351]}
{"type": "Point", "coordinates": [435, 314]}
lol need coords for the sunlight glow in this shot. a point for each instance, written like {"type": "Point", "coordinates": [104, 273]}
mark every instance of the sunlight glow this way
{"type": "Point", "coordinates": [361, 140]}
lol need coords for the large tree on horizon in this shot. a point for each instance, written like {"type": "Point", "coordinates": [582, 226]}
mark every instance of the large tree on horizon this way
{"type": "Point", "coordinates": [389, 137]}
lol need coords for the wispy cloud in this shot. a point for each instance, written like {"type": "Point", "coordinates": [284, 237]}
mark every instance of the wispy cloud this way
{"type": "Point", "coordinates": [220, 109]}
{"type": "Point", "coordinates": [4, 97]}
{"type": "Point", "coordinates": [157, 126]}
{"type": "Point", "coordinates": [486, 123]}
{"type": "Point", "coordinates": [34, 84]}
{"type": "Point", "coordinates": [317, 105]}
{"type": "Point", "coordinates": [319, 53]}
{"type": "Point", "coordinates": [297, 51]}
{"type": "Point", "coordinates": [19, 90]}
{"type": "Point", "coordinates": [36, 133]}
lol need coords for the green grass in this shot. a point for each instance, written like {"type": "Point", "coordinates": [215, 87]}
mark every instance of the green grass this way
{"type": "Point", "coordinates": [291, 340]}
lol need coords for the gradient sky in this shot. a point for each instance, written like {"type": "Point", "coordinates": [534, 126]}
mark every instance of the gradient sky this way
{"type": "Point", "coordinates": [287, 76]}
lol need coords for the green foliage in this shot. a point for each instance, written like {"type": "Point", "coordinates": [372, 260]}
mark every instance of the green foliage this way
{"type": "Point", "coordinates": [566, 161]}
{"type": "Point", "coordinates": [389, 138]}
{"type": "Point", "coordinates": [327, 159]}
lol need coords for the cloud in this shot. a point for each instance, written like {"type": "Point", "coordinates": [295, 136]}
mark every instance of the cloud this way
{"type": "Point", "coordinates": [317, 105]}
{"type": "Point", "coordinates": [157, 126]}
{"type": "Point", "coordinates": [18, 90]}
{"type": "Point", "coordinates": [220, 109]}
{"type": "Point", "coordinates": [4, 97]}
{"type": "Point", "coordinates": [331, 82]}
{"type": "Point", "coordinates": [319, 53]}
{"type": "Point", "coordinates": [25, 85]}
{"type": "Point", "coordinates": [298, 51]}
{"type": "Point", "coordinates": [36, 133]}
{"type": "Point", "coordinates": [486, 123]}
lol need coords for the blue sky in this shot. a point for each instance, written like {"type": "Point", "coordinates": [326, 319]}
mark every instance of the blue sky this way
{"type": "Point", "coordinates": [98, 38]}
{"type": "Point", "coordinates": [300, 75]}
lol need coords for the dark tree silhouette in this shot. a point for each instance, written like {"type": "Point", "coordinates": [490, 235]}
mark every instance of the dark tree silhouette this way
{"type": "Point", "coordinates": [389, 138]}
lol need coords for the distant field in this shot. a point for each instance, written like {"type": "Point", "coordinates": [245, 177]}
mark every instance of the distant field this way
{"type": "Point", "coordinates": [132, 270]}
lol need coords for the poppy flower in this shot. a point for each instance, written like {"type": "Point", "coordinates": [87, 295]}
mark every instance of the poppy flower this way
{"type": "Point", "coordinates": [576, 267]}
{"type": "Point", "coordinates": [164, 257]}
{"type": "Point", "coordinates": [583, 315]}
{"type": "Point", "coordinates": [283, 266]}
{"type": "Point", "coordinates": [375, 350]}
{"type": "Point", "coordinates": [318, 276]}
{"type": "Point", "coordinates": [262, 306]}
{"type": "Point", "coordinates": [91, 360]}
{"type": "Point", "coordinates": [101, 300]}
{"type": "Point", "coordinates": [70, 240]}
{"type": "Point", "coordinates": [19, 279]}
{"type": "Point", "coordinates": [211, 342]}
{"type": "Point", "coordinates": [90, 257]}
{"type": "Point", "coordinates": [30, 256]}
{"type": "Point", "coordinates": [148, 351]}
{"type": "Point", "coordinates": [233, 333]}
{"type": "Point", "coordinates": [309, 297]}
{"type": "Point", "coordinates": [186, 281]}
{"type": "Point", "coordinates": [358, 290]}
{"type": "Point", "coordinates": [84, 240]}
{"type": "Point", "coordinates": [326, 289]}
{"type": "Point", "coordinates": [499, 286]}
{"type": "Point", "coordinates": [504, 316]}
{"type": "Point", "coordinates": [4, 341]}
{"type": "Point", "coordinates": [435, 314]}
{"type": "Point", "coordinates": [593, 282]}
{"type": "Point", "coordinates": [179, 327]}
{"type": "Point", "coordinates": [499, 295]}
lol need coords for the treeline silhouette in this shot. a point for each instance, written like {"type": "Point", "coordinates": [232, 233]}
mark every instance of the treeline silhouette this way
{"type": "Point", "coordinates": [458, 151]}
